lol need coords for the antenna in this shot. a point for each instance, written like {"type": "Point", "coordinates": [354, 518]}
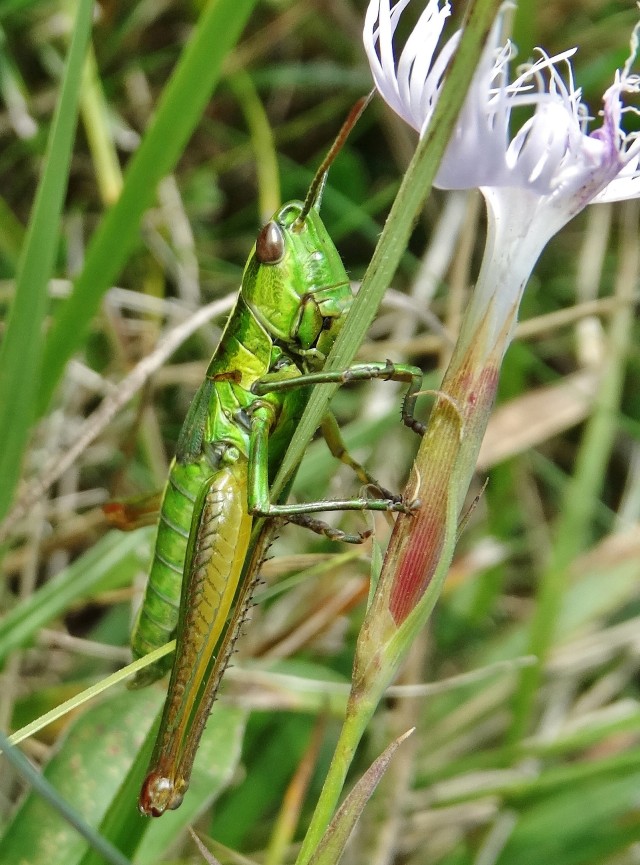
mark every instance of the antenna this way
{"type": "Point", "coordinates": [317, 184]}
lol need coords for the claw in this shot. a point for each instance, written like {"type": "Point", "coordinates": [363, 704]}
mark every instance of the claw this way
{"type": "Point", "coordinates": [403, 507]}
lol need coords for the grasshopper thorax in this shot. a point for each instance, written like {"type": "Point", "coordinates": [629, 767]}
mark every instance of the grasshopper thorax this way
{"type": "Point", "coordinates": [295, 283]}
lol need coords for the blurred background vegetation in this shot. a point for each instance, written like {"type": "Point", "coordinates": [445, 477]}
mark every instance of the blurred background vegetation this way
{"type": "Point", "coordinates": [553, 541]}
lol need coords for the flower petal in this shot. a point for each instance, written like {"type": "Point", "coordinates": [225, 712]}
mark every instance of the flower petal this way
{"type": "Point", "coordinates": [551, 153]}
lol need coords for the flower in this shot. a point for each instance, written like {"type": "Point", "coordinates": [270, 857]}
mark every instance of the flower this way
{"type": "Point", "coordinates": [533, 181]}
{"type": "Point", "coordinates": [552, 167]}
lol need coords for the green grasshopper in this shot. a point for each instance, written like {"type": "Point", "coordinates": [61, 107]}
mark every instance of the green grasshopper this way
{"type": "Point", "coordinates": [293, 300]}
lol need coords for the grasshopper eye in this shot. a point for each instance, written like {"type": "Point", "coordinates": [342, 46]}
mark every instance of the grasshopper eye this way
{"type": "Point", "coordinates": [270, 244]}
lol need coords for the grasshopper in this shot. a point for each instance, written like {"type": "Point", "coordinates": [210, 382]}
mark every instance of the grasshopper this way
{"type": "Point", "coordinates": [293, 300]}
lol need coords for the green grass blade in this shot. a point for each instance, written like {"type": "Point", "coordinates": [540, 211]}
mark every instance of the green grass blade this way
{"type": "Point", "coordinates": [20, 353]}
{"type": "Point", "coordinates": [180, 108]}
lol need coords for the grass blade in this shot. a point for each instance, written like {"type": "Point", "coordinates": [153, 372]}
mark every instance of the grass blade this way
{"type": "Point", "coordinates": [20, 353]}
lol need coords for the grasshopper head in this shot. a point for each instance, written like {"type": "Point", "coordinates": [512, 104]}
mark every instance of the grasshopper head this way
{"type": "Point", "coordinates": [295, 283]}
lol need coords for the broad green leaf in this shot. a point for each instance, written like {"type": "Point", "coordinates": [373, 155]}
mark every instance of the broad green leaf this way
{"type": "Point", "coordinates": [87, 772]}
{"type": "Point", "coordinates": [41, 787]}
{"type": "Point", "coordinates": [271, 769]}
{"type": "Point", "coordinates": [99, 769]}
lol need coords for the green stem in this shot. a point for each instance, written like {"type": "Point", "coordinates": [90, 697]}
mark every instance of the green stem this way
{"type": "Point", "coordinates": [359, 713]}
{"type": "Point", "coordinates": [95, 117]}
